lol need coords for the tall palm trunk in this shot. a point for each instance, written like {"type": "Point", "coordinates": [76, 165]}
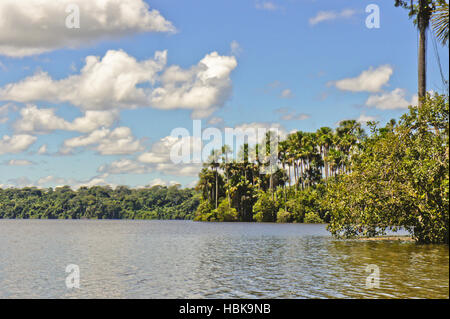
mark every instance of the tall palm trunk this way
{"type": "Point", "coordinates": [217, 188]}
{"type": "Point", "coordinates": [422, 24]}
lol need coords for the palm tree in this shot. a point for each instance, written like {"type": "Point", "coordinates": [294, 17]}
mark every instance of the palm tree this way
{"type": "Point", "coordinates": [440, 22]}
{"type": "Point", "coordinates": [422, 12]}
{"type": "Point", "coordinates": [325, 140]}
{"type": "Point", "coordinates": [213, 162]}
{"type": "Point", "coordinates": [225, 151]}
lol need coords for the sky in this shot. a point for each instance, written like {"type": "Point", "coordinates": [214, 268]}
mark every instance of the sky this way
{"type": "Point", "coordinates": [90, 95]}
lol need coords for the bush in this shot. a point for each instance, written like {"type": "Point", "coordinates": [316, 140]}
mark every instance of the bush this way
{"type": "Point", "coordinates": [312, 218]}
{"type": "Point", "coordinates": [400, 179]}
{"type": "Point", "coordinates": [265, 209]}
{"type": "Point", "coordinates": [225, 213]}
{"type": "Point", "coordinates": [284, 216]}
{"type": "Point", "coordinates": [204, 211]}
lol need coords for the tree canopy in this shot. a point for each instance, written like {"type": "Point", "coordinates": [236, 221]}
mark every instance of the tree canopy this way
{"type": "Point", "coordinates": [99, 202]}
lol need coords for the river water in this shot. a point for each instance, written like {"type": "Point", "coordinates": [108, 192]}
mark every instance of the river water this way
{"type": "Point", "coordinates": [185, 259]}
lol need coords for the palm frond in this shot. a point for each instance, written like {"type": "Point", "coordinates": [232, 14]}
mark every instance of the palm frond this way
{"type": "Point", "coordinates": [440, 22]}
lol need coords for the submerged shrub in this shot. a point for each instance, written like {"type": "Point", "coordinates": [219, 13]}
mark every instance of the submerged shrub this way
{"type": "Point", "coordinates": [312, 218]}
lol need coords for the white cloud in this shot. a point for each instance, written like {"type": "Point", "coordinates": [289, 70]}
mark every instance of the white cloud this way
{"type": "Point", "coordinates": [119, 141]}
{"type": "Point", "coordinates": [34, 120]}
{"type": "Point", "coordinates": [395, 99]}
{"type": "Point", "coordinates": [236, 48]}
{"type": "Point", "coordinates": [215, 120]}
{"type": "Point", "coordinates": [18, 162]}
{"type": "Point", "coordinates": [266, 5]}
{"type": "Point", "coordinates": [30, 27]}
{"type": "Point", "coordinates": [286, 94]}
{"type": "Point", "coordinates": [55, 181]}
{"type": "Point", "coordinates": [4, 110]}
{"type": "Point", "coordinates": [157, 159]}
{"type": "Point", "coordinates": [124, 166]}
{"type": "Point", "coordinates": [365, 118]}
{"type": "Point", "coordinates": [95, 181]}
{"type": "Point", "coordinates": [331, 15]}
{"type": "Point", "coordinates": [160, 182]}
{"type": "Point", "coordinates": [16, 143]}
{"type": "Point", "coordinates": [203, 88]}
{"type": "Point", "coordinates": [42, 150]}
{"type": "Point", "coordinates": [371, 80]}
{"type": "Point", "coordinates": [112, 82]}
{"type": "Point", "coordinates": [18, 182]}
{"type": "Point", "coordinates": [255, 129]}
{"type": "Point", "coordinates": [102, 83]}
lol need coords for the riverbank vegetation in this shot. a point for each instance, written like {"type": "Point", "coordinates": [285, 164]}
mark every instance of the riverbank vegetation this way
{"type": "Point", "coordinates": [98, 202]}
{"type": "Point", "coordinates": [362, 184]}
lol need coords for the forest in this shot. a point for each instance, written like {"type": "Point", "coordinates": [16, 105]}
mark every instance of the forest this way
{"type": "Point", "coordinates": [98, 202]}
{"type": "Point", "coordinates": [361, 183]}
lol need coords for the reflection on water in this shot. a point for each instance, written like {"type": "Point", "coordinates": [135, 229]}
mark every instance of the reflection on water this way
{"type": "Point", "coordinates": [183, 259]}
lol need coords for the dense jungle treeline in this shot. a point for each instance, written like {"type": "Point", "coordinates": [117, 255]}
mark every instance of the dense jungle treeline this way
{"type": "Point", "coordinates": [361, 183]}
{"type": "Point", "coordinates": [98, 202]}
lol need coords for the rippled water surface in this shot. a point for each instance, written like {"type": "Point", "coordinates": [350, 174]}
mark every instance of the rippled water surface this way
{"type": "Point", "coordinates": [184, 259]}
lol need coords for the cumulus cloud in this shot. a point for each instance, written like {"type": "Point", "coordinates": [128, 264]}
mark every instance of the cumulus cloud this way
{"type": "Point", "coordinates": [323, 16]}
{"type": "Point", "coordinates": [55, 181]}
{"type": "Point", "coordinates": [119, 141]}
{"type": "Point", "coordinates": [4, 111]}
{"type": "Point", "coordinates": [120, 81]}
{"type": "Point", "coordinates": [102, 83]}
{"type": "Point", "coordinates": [42, 150]}
{"type": "Point", "coordinates": [29, 27]}
{"type": "Point", "coordinates": [203, 88]}
{"type": "Point", "coordinates": [286, 94]}
{"type": "Point", "coordinates": [124, 166]}
{"type": "Point", "coordinates": [160, 182]}
{"type": "Point", "coordinates": [16, 143]}
{"type": "Point", "coordinates": [158, 159]}
{"type": "Point", "coordinates": [18, 162]}
{"type": "Point", "coordinates": [371, 80]}
{"type": "Point", "coordinates": [395, 99]}
{"type": "Point", "coordinates": [95, 181]}
{"type": "Point", "coordinates": [52, 180]}
{"type": "Point", "coordinates": [35, 120]}
{"type": "Point", "coordinates": [363, 118]}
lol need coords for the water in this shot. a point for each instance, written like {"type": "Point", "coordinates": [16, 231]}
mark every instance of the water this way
{"type": "Point", "coordinates": [184, 259]}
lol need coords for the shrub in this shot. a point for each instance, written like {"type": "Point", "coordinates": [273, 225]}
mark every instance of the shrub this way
{"type": "Point", "coordinates": [312, 218]}
{"type": "Point", "coordinates": [225, 213]}
{"type": "Point", "coordinates": [265, 209]}
{"type": "Point", "coordinates": [284, 216]}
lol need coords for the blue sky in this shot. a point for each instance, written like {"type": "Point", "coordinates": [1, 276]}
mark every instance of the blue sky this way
{"type": "Point", "coordinates": [296, 64]}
